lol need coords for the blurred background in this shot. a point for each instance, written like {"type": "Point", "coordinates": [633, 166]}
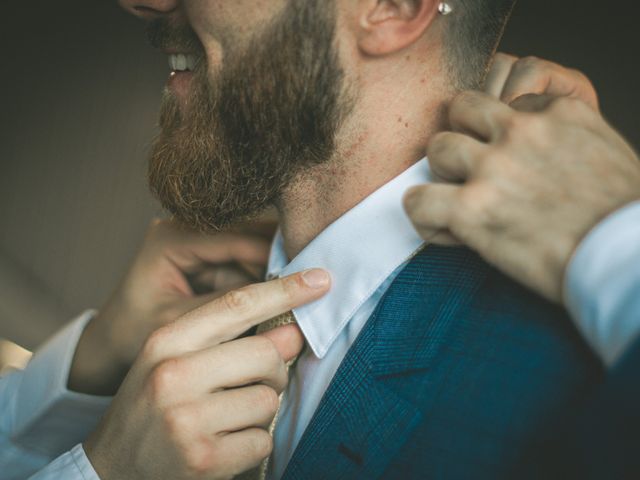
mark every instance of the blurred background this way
{"type": "Point", "coordinates": [79, 94]}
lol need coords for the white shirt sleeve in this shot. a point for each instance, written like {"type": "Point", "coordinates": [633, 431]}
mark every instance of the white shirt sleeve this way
{"type": "Point", "coordinates": [73, 465]}
{"type": "Point", "coordinates": [602, 284]}
{"type": "Point", "coordinates": [40, 418]}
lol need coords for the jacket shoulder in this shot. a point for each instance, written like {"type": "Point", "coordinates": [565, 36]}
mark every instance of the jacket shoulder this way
{"type": "Point", "coordinates": [501, 366]}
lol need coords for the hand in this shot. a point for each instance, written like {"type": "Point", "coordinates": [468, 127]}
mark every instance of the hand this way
{"type": "Point", "coordinates": [176, 271]}
{"type": "Point", "coordinates": [534, 182]}
{"type": "Point", "coordinates": [512, 77]}
{"type": "Point", "coordinates": [196, 403]}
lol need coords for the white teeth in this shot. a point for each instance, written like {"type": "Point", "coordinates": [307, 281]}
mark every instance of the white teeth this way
{"type": "Point", "coordinates": [192, 61]}
{"type": "Point", "coordinates": [181, 62]}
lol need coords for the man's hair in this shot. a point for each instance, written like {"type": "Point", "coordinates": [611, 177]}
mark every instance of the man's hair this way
{"type": "Point", "coordinates": [474, 31]}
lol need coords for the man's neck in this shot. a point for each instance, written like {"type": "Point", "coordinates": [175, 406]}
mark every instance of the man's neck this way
{"type": "Point", "coordinates": [384, 138]}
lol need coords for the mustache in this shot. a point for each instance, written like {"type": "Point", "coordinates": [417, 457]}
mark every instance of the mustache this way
{"type": "Point", "coordinates": [161, 35]}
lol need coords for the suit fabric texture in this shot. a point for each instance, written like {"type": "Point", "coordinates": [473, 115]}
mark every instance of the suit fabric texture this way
{"type": "Point", "coordinates": [460, 373]}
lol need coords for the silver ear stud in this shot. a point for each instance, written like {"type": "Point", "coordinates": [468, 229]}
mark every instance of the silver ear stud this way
{"type": "Point", "coordinates": [444, 8]}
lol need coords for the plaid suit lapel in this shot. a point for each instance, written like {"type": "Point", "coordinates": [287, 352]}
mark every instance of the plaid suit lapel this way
{"type": "Point", "coordinates": [358, 426]}
{"type": "Point", "coordinates": [362, 422]}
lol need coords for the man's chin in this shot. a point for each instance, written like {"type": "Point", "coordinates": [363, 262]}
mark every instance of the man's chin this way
{"type": "Point", "coordinates": [179, 88]}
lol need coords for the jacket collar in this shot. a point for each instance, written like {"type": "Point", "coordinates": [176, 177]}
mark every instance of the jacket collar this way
{"type": "Point", "coordinates": [360, 250]}
{"type": "Point", "coordinates": [363, 420]}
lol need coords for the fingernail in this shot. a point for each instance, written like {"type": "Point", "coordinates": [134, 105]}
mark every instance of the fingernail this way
{"type": "Point", "coordinates": [316, 278]}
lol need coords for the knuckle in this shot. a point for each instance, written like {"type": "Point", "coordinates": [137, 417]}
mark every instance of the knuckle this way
{"type": "Point", "coordinates": [198, 458]}
{"type": "Point", "coordinates": [239, 300]}
{"type": "Point", "coordinates": [292, 286]}
{"type": "Point", "coordinates": [514, 123]}
{"type": "Point", "coordinates": [179, 421]}
{"type": "Point", "coordinates": [156, 343]}
{"type": "Point", "coordinates": [531, 63]}
{"type": "Point", "coordinates": [475, 210]}
{"type": "Point", "coordinates": [266, 351]}
{"type": "Point", "coordinates": [169, 315]}
{"type": "Point", "coordinates": [164, 377]}
{"type": "Point", "coordinates": [266, 398]}
{"type": "Point", "coordinates": [520, 126]}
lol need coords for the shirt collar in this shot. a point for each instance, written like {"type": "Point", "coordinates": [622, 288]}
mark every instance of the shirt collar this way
{"type": "Point", "coordinates": [360, 250]}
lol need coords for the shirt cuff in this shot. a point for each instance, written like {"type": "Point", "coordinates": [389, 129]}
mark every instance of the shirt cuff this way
{"type": "Point", "coordinates": [602, 284]}
{"type": "Point", "coordinates": [49, 418]}
{"type": "Point", "coordinates": [73, 465]}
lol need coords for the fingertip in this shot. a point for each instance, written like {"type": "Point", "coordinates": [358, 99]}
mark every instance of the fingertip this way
{"type": "Point", "coordinates": [316, 278]}
{"type": "Point", "coordinates": [287, 339]}
{"type": "Point", "coordinates": [411, 198]}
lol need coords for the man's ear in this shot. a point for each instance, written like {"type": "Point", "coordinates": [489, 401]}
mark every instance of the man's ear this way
{"type": "Point", "coordinates": [388, 26]}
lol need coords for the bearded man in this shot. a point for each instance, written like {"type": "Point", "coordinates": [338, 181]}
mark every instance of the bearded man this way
{"type": "Point", "coordinates": [419, 361]}
{"type": "Point", "coordinates": [323, 109]}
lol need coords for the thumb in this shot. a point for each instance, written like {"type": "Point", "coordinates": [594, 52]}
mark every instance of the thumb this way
{"type": "Point", "coordinates": [287, 339]}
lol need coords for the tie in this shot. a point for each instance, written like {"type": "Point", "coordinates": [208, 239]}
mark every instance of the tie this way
{"type": "Point", "coordinates": [260, 473]}
{"type": "Point", "coordinates": [275, 322]}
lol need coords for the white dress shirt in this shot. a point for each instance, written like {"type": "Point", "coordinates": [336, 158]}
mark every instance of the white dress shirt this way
{"type": "Point", "coordinates": [40, 419]}
{"type": "Point", "coordinates": [364, 250]}
{"type": "Point", "coordinates": [602, 284]}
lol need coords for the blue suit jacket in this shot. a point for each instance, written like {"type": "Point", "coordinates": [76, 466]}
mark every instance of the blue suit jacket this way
{"type": "Point", "coordinates": [600, 440]}
{"type": "Point", "coordinates": [459, 373]}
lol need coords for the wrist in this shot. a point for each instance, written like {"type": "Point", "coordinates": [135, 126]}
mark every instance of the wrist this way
{"type": "Point", "coordinates": [600, 283]}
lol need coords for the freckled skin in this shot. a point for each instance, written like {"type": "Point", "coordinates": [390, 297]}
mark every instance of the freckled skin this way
{"type": "Point", "coordinates": [354, 147]}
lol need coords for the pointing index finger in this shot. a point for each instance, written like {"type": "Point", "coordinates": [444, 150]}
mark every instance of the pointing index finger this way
{"type": "Point", "coordinates": [228, 317]}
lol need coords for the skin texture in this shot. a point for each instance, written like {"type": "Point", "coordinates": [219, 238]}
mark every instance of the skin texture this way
{"type": "Point", "coordinates": [198, 400]}
{"type": "Point", "coordinates": [176, 271]}
{"type": "Point", "coordinates": [391, 56]}
{"type": "Point", "coordinates": [231, 143]}
{"type": "Point", "coordinates": [511, 77]}
{"type": "Point", "coordinates": [525, 182]}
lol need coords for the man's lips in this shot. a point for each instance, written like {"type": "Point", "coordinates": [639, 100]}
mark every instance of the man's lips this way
{"type": "Point", "coordinates": [182, 65]}
{"type": "Point", "coordinates": [179, 83]}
